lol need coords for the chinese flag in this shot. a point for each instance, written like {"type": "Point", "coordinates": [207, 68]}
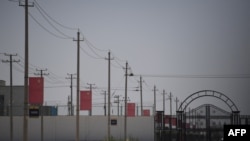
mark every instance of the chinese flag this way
{"type": "Point", "coordinates": [36, 90]}
{"type": "Point", "coordinates": [85, 100]}
{"type": "Point", "coordinates": [130, 109]}
{"type": "Point", "coordinates": [146, 112]}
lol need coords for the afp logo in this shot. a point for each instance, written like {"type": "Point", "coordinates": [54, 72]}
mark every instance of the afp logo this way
{"type": "Point", "coordinates": [236, 132]}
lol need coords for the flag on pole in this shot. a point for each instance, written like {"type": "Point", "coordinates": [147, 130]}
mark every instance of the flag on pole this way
{"type": "Point", "coordinates": [36, 89]}
{"type": "Point", "coordinates": [146, 112]}
{"type": "Point", "coordinates": [85, 100]}
{"type": "Point", "coordinates": [130, 109]}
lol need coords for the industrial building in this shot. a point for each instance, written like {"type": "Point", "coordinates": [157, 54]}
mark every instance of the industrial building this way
{"type": "Point", "coordinates": [18, 102]}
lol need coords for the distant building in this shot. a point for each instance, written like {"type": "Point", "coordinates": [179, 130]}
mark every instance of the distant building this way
{"type": "Point", "coordinates": [18, 101]}
{"type": "Point", "coordinates": [49, 110]}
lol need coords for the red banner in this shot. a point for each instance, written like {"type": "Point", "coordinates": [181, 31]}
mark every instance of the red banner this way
{"type": "Point", "coordinates": [36, 90]}
{"type": "Point", "coordinates": [146, 112]}
{"type": "Point", "coordinates": [130, 109]}
{"type": "Point", "coordinates": [173, 120]}
{"type": "Point", "coordinates": [85, 100]}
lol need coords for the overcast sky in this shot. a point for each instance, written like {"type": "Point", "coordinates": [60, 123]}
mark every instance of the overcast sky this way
{"type": "Point", "coordinates": [157, 38]}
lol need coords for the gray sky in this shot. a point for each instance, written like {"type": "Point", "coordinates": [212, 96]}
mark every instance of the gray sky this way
{"type": "Point", "coordinates": [190, 37]}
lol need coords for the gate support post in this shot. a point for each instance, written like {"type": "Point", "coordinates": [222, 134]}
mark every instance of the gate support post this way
{"type": "Point", "coordinates": [179, 116]}
{"type": "Point", "coordinates": [235, 118]}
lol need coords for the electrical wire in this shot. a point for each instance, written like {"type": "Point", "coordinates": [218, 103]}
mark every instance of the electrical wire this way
{"type": "Point", "coordinates": [53, 78]}
{"type": "Point", "coordinates": [31, 66]}
{"type": "Point", "coordinates": [13, 0]}
{"type": "Point", "coordinates": [55, 35]}
{"type": "Point", "coordinates": [146, 84]}
{"type": "Point", "coordinates": [198, 76]}
{"type": "Point", "coordinates": [17, 69]}
{"type": "Point", "coordinates": [121, 60]}
{"type": "Point", "coordinates": [59, 86]}
{"type": "Point", "coordinates": [118, 63]}
{"type": "Point", "coordinates": [89, 54]}
{"type": "Point", "coordinates": [87, 41]}
{"type": "Point", "coordinates": [44, 11]}
{"type": "Point", "coordinates": [94, 51]}
{"type": "Point", "coordinates": [115, 66]}
{"type": "Point", "coordinates": [39, 10]}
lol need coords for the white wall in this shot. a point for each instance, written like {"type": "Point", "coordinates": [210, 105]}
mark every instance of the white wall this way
{"type": "Point", "coordinates": [62, 128]}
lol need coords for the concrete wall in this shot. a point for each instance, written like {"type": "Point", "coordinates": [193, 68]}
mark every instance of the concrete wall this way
{"type": "Point", "coordinates": [92, 128]}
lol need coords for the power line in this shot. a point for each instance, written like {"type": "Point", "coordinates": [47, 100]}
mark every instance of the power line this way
{"type": "Point", "coordinates": [31, 66]}
{"type": "Point", "coordinates": [18, 69]}
{"type": "Point", "coordinates": [53, 76]}
{"type": "Point", "coordinates": [14, 0]}
{"type": "Point", "coordinates": [44, 11]}
{"type": "Point", "coordinates": [93, 50]}
{"type": "Point", "coordinates": [41, 11]}
{"type": "Point", "coordinates": [115, 66]}
{"type": "Point", "coordinates": [55, 35]}
{"type": "Point", "coordinates": [121, 60]}
{"type": "Point", "coordinates": [197, 76]}
{"type": "Point", "coordinates": [89, 54]}
{"type": "Point", "coordinates": [88, 42]}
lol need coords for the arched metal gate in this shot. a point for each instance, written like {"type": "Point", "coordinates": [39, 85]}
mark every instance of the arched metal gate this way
{"type": "Point", "coordinates": [181, 116]}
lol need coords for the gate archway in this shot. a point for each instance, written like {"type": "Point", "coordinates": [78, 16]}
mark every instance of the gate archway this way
{"type": "Point", "coordinates": [204, 93]}
{"type": "Point", "coordinates": [208, 93]}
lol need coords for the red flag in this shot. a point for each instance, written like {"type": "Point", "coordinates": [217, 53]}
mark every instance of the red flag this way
{"type": "Point", "coordinates": [146, 112]}
{"type": "Point", "coordinates": [85, 100]}
{"type": "Point", "coordinates": [174, 121]}
{"type": "Point", "coordinates": [131, 109]}
{"type": "Point", "coordinates": [36, 90]}
{"type": "Point", "coordinates": [167, 117]}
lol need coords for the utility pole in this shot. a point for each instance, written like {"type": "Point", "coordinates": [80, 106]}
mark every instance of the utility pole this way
{"type": "Point", "coordinates": [170, 117]}
{"type": "Point", "coordinates": [163, 102]}
{"type": "Point", "coordinates": [154, 99]}
{"type": "Point", "coordinates": [11, 91]}
{"type": "Point", "coordinates": [176, 101]}
{"type": "Point", "coordinates": [26, 69]}
{"type": "Point", "coordinates": [137, 108]}
{"type": "Point", "coordinates": [104, 103]}
{"type": "Point", "coordinates": [90, 88]}
{"type": "Point", "coordinates": [109, 88]}
{"type": "Point", "coordinates": [71, 92]}
{"type": "Point", "coordinates": [125, 102]}
{"type": "Point", "coordinates": [141, 95]}
{"type": "Point", "coordinates": [154, 111]}
{"type": "Point", "coordinates": [118, 102]}
{"type": "Point", "coordinates": [69, 106]}
{"type": "Point", "coordinates": [77, 84]}
{"type": "Point", "coordinates": [41, 106]}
